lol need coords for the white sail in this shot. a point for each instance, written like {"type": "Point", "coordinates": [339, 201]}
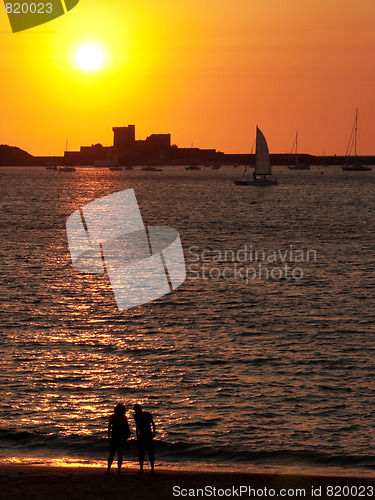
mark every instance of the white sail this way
{"type": "Point", "coordinates": [262, 155]}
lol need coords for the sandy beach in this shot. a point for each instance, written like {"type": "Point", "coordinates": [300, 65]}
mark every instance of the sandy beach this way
{"type": "Point", "coordinates": [42, 483]}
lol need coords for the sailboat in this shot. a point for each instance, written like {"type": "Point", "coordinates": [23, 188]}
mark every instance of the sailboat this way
{"type": "Point", "coordinates": [297, 166]}
{"type": "Point", "coordinates": [355, 166]}
{"type": "Point", "coordinates": [193, 167]}
{"type": "Point", "coordinates": [66, 168]}
{"type": "Point", "coordinates": [152, 169]}
{"type": "Point", "coordinates": [262, 170]}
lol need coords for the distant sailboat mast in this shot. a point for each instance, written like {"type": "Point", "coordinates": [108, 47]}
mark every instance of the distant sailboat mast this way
{"type": "Point", "coordinates": [251, 152]}
{"type": "Point", "coordinates": [355, 132]}
{"type": "Point", "coordinates": [296, 144]}
{"type": "Point", "coordinates": [354, 165]}
{"type": "Point", "coordinates": [353, 137]}
{"type": "Point", "coordinates": [297, 166]}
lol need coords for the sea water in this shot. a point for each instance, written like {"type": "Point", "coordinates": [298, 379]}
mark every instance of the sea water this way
{"type": "Point", "coordinates": [237, 366]}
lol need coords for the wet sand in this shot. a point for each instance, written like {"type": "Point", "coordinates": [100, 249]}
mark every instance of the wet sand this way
{"type": "Point", "coordinates": [70, 483]}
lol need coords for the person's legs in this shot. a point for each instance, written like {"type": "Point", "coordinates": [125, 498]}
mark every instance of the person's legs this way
{"type": "Point", "coordinates": [119, 460]}
{"type": "Point", "coordinates": [141, 453]}
{"type": "Point", "coordinates": [110, 459]}
{"type": "Point", "coordinates": [150, 451]}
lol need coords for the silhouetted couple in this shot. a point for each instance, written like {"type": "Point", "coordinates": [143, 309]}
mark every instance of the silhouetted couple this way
{"type": "Point", "coordinates": [119, 433]}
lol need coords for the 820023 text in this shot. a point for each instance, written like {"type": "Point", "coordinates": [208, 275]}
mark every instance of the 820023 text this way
{"type": "Point", "coordinates": [28, 8]}
{"type": "Point", "coordinates": [350, 491]}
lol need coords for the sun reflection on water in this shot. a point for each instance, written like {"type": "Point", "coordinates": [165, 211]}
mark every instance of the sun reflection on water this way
{"type": "Point", "coordinates": [207, 359]}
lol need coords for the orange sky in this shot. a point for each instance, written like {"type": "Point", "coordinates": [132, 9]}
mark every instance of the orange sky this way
{"type": "Point", "coordinates": [207, 71]}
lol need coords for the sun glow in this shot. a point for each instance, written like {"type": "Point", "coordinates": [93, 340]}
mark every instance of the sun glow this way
{"type": "Point", "coordinates": [90, 57]}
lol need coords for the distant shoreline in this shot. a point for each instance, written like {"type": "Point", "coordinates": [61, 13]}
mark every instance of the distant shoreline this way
{"type": "Point", "coordinates": [14, 156]}
{"type": "Point", "coordinates": [280, 161]}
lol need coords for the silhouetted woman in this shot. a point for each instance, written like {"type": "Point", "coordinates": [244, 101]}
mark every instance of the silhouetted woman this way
{"type": "Point", "coordinates": [145, 433]}
{"type": "Point", "coordinates": [118, 433]}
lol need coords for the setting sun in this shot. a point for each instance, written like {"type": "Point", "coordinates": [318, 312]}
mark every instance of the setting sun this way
{"type": "Point", "coordinates": [90, 57]}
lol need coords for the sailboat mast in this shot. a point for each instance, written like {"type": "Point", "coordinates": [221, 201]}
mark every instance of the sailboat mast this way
{"type": "Point", "coordinates": [296, 147]}
{"type": "Point", "coordinates": [355, 132]}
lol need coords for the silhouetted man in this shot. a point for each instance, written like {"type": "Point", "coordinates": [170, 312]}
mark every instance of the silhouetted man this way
{"type": "Point", "coordinates": [145, 428]}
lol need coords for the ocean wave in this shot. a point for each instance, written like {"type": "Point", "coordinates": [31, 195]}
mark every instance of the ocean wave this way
{"type": "Point", "coordinates": [95, 447]}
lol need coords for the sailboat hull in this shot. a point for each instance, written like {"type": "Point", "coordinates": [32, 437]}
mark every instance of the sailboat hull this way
{"type": "Point", "coordinates": [67, 169]}
{"type": "Point", "coordinates": [299, 167]}
{"type": "Point", "coordinates": [256, 182]}
{"type": "Point", "coordinates": [353, 141]}
{"type": "Point", "coordinates": [356, 168]}
{"type": "Point", "coordinates": [262, 182]}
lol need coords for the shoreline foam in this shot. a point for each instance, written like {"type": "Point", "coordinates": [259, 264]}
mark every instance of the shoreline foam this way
{"type": "Point", "coordinates": [194, 467]}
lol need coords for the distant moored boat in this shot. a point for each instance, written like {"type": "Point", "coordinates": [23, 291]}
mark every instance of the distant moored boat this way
{"type": "Point", "coordinates": [297, 166]}
{"type": "Point", "coordinates": [152, 169]}
{"type": "Point", "coordinates": [67, 169]}
{"type": "Point", "coordinates": [353, 141]}
{"type": "Point", "coordinates": [112, 164]}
